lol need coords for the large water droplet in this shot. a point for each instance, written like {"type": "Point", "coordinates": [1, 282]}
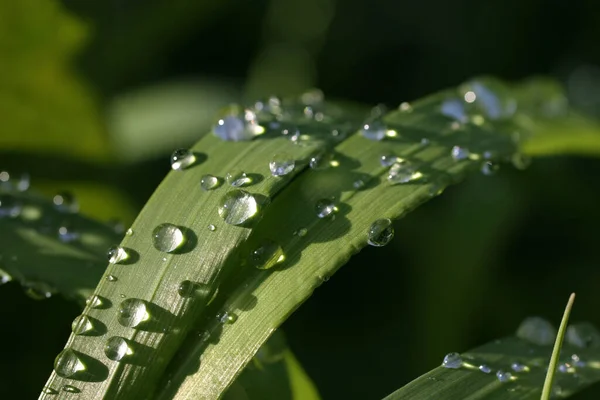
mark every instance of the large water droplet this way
{"type": "Point", "coordinates": [583, 334]}
{"type": "Point", "coordinates": [70, 364]}
{"type": "Point", "coordinates": [167, 237]}
{"type": "Point", "coordinates": [83, 325]}
{"type": "Point", "coordinates": [281, 164]}
{"type": "Point", "coordinates": [181, 159]}
{"type": "Point", "coordinates": [133, 312]}
{"type": "Point", "coordinates": [374, 130]}
{"type": "Point", "coordinates": [66, 202]}
{"type": "Point", "coordinates": [503, 376]}
{"type": "Point", "coordinates": [459, 153]}
{"type": "Point", "coordinates": [189, 289]}
{"type": "Point", "coordinates": [10, 206]}
{"type": "Point", "coordinates": [70, 389]}
{"type": "Point", "coordinates": [403, 172]}
{"type": "Point", "coordinates": [238, 178]}
{"type": "Point", "coordinates": [452, 360]}
{"type": "Point", "coordinates": [380, 233]}
{"type": "Point", "coordinates": [237, 207]}
{"type": "Point", "coordinates": [485, 368]}
{"type": "Point", "coordinates": [209, 182]}
{"type": "Point", "coordinates": [118, 348]}
{"type": "Point", "coordinates": [325, 208]}
{"type": "Point", "coordinates": [267, 255]}
{"type": "Point", "coordinates": [537, 331]}
{"type": "Point", "coordinates": [116, 254]}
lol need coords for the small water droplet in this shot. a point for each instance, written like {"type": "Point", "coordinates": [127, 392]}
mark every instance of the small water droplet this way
{"type": "Point", "coordinates": [69, 364]}
{"type": "Point", "coordinates": [238, 179]}
{"type": "Point", "coordinates": [24, 182]}
{"type": "Point", "coordinates": [425, 142]}
{"type": "Point", "coordinates": [267, 255]}
{"type": "Point", "coordinates": [452, 360]}
{"type": "Point", "coordinates": [320, 161]}
{"type": "Point", "coordinates": [485, 368]}
{"type": "Point", "coordinates": [518, 367]}
{"type": "Point", "coordinates": [566, 368]}
{"type": "Point", "coordinates": [167, 237]}
{"type": "Point", "coordinates": [66, 202]}
{"type": "Point", "coordinates": [577, 361]}
{"type": "Point", "coordinates": [10, 206]}
{"type": "Point", "coordinates": [209, 182]}
{"type": "Point", "coordinates": [94, 301]}
{"type": "Point", "coordinates": [67, 234]}
{"type": "Point", "coordinates": [358, 184]}
{"type": "Point", "coordinates": [111, 278]}
{"type": "Point", "coordinates": [387, 160]}
{"type": "Point", "coordinates": [70, 389]}
{"type": "Point", "coordinates": [281, 164]}
{"type": "Point", "coordinates": [133, 312]}
{"type": "Point", "coordinates": [129, 232]}
{"type": "Point", "coordinates": [116, 254]}
{"type": "Point", "coordinates": [118, 348]}
{"type": "Point", "coordinates": [325, 208]}
{"type": "Point", "coordinates": [459, 153]}
{"type": "Point", "coordinates": [212, 228]}
{"type": "Point", "coordinates": [301, 232]}
{"type": "Point", "coordinates": [489, 168]}
{"type": "Point", "coordinates": [5, 277]}
{"type": "Point", "coordinates": [227, 318]}
{"type": "Point", "coordinates": [374, 130]}
{"type": "Point", "coordinates": [537, 331]}
{"type": "Point", "coordinates": [189, 289]}
{"type": "Point", "coordinates": [82, 325]}
{"type": "Point", "coordinates": [583, 335]}
{"type": "Point", "coordinates": [49, 390]}
{"type": "Point", "coordinates": [238, 207]}
{"type": "Point", "coordinates": [380, 233]}
{"type": "Point", "coordinates": [405, 107]}
{"type": "Point", "coordinates": [38, 290]}
{"type": "Point", "coordinates": [520, 161]}
{"type": "Point", "coordinates": [503, 376]}
{"type": "Point", "coordinates": [238, 126]}
{"type": "Point", "coordinates": [403, 172]}
{"type": "Point", "coordinates": [182, 159]}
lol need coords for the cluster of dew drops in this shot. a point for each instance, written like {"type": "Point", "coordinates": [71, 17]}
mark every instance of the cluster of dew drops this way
{"type": "Point", "coordinates": [538, 333]}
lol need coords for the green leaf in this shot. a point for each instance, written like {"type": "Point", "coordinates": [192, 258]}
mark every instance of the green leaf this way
{"type": "Point", "coordinates": [197, 346]}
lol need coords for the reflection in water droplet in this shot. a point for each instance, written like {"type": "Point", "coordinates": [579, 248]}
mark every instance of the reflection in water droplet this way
{"type": "Point", "coordinates": [380, 233]}
{"type": "Point", "coordinates": [70, 389]}
{"type": "Point", "coordinates": [489, 168]}
{"type": "Point", "coordinates": [281, 164]}
{"type": "Point", "coordinates": [111, 278]}
{"type": "Point", "coordinates": [267, 255]}
{"type": "Point", "coordinates": [189, 289]}
{"type": "Point", "coordinates": [212, 228]}
{"type": "Point", "coordinates": [69, 364]}
{"type": "Point", "coordinates": [537, 331]}
{"type": "Point", "coordinates": [182, 159]}
{"type": "Point", "coordinates": [452, 360]}
{"type": "Point", "coordinates": [459, 153]}
{"type": "Point", "coordinates": [485, 369]}
{"type": "Point", "coordinates": [116, 254]}
{"type": "Point", "coordinates": [66, 202]}
{"type": "Point", "coordinates": [209, 182]}
{"type": "Point", "coordinates": [238, 179]}
{"type": "Point", "coordinates": [583, 335]}
{"type": "Point", "coordinates": [82, 325]}
{"type": "Point", "coordinates": [503, 376]}
{"type": "Point", "coordinates": [167, 237]}
{"type": "Point", "coordinates": [118, 348]}
{"type": "Point", "coordinates": [325, 207]}
{"type": "Point", "coordinates": [94, 301]}
{"type": "Point", "coordinates": [403, 172]}
{"type": "Point", "coordinates": [10, 206]}
{"type": "Point", "coordinates": [133, 312]}
{"type": "Point", "coordinates": [237, 207]}
{"type": "Point", "coordinates": [374, 130]}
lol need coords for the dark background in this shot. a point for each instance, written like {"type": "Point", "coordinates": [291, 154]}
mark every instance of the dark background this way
{"type": "Point", "coordinates": [464, 269]}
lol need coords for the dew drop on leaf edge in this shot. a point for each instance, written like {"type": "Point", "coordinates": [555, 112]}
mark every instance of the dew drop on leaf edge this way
{"type": "Point", "coordinates": [182, 159]}
{"type": "Point", "coordinates": [380, 233]}
{"type": "Point", "coordinates": [281, 165]}
{"type": "Point", "coordinates": [116, 254]}
{"type": "Point", "coordinates": [452, 360]}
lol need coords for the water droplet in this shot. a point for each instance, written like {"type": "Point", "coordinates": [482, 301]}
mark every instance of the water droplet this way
{"type": "Point", "coordinates": [405, 107]}
{"type": "Point", "coordinates": [238, 207]}
{"type": "Point", "coordinates": [118, 348]}
{"type": "Point", "coordinates": [4, 176]}
{"type": "Point", "coordinates": [518, 367]}
{"type": "Point", "coordinates": [133, 312]}
{"type": "Point", "coordinates": [521, 161]}
{"type": "Point", "coordinates": [10, 206]}
{"type": "Point", "coordinates": [537, 331]}
{"type": "Point", "coordinates": [94, 301]}
{"type": "Point", "coordinates": [460, 153]}
{"type": "Point", "coordinates": [358, 184]}
{"type": "Point", "coordinates": [38, 290]}
{"type": "Point", "coordinates": [129, 232]}
{"type": "Point", "coordinates": [566, 368]}
{"type": "Point", "coordinates": [301, 232]}
{"type": "Point", "coordinates": [452, 360]}
{"type": "Point", "coordinates": [281, 164]}
{"type": "Point", "coordinates": [455, 109]}
{"type": "Point", "coordinates": [167, 237]}
{"type": "Point", "coordinates": [189, 289]}
{"type": "Point", "coordinates": [583, 335]}
{"type": "Point", "coordinates": [70, 389]}
{"type": "Point", "coordinates": [321, 161]}
{"type": "Point", "coordinates": [5, 277]}
{"type": "Point", "coordinates": [489, 168]}
{"type": "Point", "coordinates": [82, 325]}
{"type": "Point", "coordinates": [267, 255]}
{"type": "Point", "coordinates": [238, 127]}
{"type": "Point", "coordinates": [503, 376]}
{"type": "Point", "coordinates": [577, 361]}
{"type": "Point", "coordinates": [212, 228]}
{"type": "Point", "coordinates": [403, 172]}
{"type": "Point", "coordinates": [485, 368]}
{"type": "Point", "coordinates": [490, 97]}
{"type": "Point", "coordinates": [69, 364]}
{"type": "Point", "coordinates": [67, 234]}
{"type": "Point", "coordinates": [380, 232]}
{"type": "Point", "coordinates": [227, 318]}
{"type": "Point", "coordinates": [111, 278]}
{"type": "Point", "coordinates": [66, 202]}
{"type": "Point", "coordinates": [387, 160]}
{"type": "Point", "coordinates": [238, 179]}
{"type": "Point", "coordinates": [24, 182]}
{"type": "Point", "coordinates": [182, 159]}
{"type": "Point", "coordinates": [209, 182]}
{"type": "Point", "coordinates": [425, 142]}
{"type": "Point", "coordinates": [49, 390]}
{"type": "Point", "coordinates": [325, 207]}
{"type": "Point", "coordinates": [374, 130]}
{"type": "Point", "coordinates": [116, 254]}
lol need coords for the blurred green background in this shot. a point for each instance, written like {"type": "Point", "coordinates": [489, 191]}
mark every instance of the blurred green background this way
{"type": "Point", "coordinates": [94, 96]}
